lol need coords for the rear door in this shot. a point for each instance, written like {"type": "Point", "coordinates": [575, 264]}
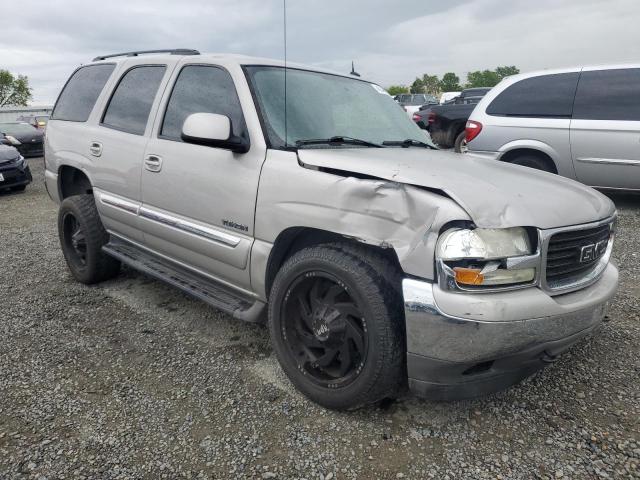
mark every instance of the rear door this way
{"type": "Point", "coordinates": [199, 201]}
{"type": "Point", "coordinates": [117, 146]}
{"type": "Point", "coordinates": [605, 130]}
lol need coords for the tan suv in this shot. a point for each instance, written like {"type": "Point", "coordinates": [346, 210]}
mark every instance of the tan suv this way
{"type": "Point", "coordinates": [308, 200]}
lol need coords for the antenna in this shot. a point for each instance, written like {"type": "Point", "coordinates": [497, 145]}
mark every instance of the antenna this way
{"type": "Point", "coordinates": [286, 136]}
{"type": "Point", "coordinates": [353, 70]}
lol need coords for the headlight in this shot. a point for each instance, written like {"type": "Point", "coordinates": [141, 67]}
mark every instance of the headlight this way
{"type": "Point", "coordinates": [478, 258]}
{"type": "Point", "coordinates": [12, 140]}
{"type": "Point", "coordinates": [484, 243]}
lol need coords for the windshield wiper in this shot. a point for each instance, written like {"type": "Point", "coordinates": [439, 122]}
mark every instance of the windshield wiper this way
{"type": "Point", "coordinates": [337, 140]}
{"type": "Point", "coordinates": [409, 142]}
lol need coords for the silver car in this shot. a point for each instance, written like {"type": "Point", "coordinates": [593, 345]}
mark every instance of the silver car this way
{"type": "Point", "coordinates": [376, 260]}
{"type": "Point", "coordinates": [582, 123]}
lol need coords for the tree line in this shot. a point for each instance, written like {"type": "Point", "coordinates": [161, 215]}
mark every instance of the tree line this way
{"type": "Point", "coordinates": [450, 82]}
{"type": "Point", "coordinates": [14, 90]}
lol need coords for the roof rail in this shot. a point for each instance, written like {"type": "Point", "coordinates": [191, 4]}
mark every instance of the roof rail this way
{"type": "Point", "coordinates": [175, 51]}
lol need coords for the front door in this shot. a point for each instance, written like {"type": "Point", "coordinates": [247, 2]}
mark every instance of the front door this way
{"type": "Point", "coordinates": [199, 201]}
{"type": "Point", "coordinates": [605, 129]}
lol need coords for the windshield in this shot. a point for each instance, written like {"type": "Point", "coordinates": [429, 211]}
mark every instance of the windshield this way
{"type": "Point", "coordinates": [16, 128]}
{"type": "Point", "coordinates": [321, 106]}
{"type": "Point", "coordinates": [421, 100]}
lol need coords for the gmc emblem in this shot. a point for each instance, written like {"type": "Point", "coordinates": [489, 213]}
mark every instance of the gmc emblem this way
{"type": "Point", "coordinates": [590, 253]}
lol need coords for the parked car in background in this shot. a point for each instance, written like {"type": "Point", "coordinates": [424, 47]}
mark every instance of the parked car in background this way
{"type": "Point", "coordinates": [411, 102]}
{"type": "Point", "coordinates": [376, 259]}
{"type": "Point", "coordinates": [446, 123]}
{"type": "Point", "coordinates": [14, 171]}
{"type": "Point", "coordinates": [467, 93]}
{"type": "Point", "coordinates": [28, 140]}
{"type": "Point", "coordinates": [446, 96]}
{"type": "Point", "coordinates": [582, 123]}
{"type": "Point", "coordinates": [37, 121]}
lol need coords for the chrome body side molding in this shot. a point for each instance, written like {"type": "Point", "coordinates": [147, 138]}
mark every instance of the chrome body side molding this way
{"type": "Point", "coordinates": [189, 227]}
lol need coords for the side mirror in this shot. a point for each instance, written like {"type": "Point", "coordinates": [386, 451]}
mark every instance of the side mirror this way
{"type": "Point", "coordinates": [213, 130]}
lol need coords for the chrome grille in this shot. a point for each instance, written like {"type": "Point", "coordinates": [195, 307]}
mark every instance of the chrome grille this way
{"type": "Point", "coordinates": [566, 259]}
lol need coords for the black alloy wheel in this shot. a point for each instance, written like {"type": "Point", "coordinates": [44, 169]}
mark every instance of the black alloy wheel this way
{"type": "Point", "coordinates": [82, 237]}
{"type": "Point", "coordinates": [325, 329]}
{"type": "Point", "coordinates": [74, 239]}
{"type": "Point", "coordinates": [336, 323]}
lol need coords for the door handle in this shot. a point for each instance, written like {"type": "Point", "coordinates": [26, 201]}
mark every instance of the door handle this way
{"type": "Point", "coordinates": [153, 163]}
{"type": "Point", "coordinates": [95, 148]}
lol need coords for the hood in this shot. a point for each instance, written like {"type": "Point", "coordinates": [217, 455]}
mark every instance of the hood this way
{"type": "Point", "coordinates": [28, 137]}
{"type": "Point", "coordinates": [8, 153]}
{"type": "Point", "coordinates": [493, 193]}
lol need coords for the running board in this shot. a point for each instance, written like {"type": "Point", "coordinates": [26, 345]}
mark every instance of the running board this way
{"type": "Point", "coordinates": [214, 293]}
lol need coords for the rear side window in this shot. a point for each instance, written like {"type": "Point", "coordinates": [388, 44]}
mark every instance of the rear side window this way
{"type": "Point", "coordinates": [542, 96]}
{"type": "Point", "coordinates": [608, 95]}
{"type": "Point", "coordinates": [81, 92]}
{"type": "Point", "coordinates": [131, 102]}
{"type": "Point", "coordinates": [202, 89]}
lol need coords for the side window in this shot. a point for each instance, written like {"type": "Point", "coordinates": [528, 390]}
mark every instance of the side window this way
{"type": "Point", "coordinates": [202, 89]}
{"type": "Point", "coordinates": [608, 95]}
{"type": "Point", "coordinates": [542, 96]}
{"type": "Point", "coordinates": [130, 104]}
{"type": "Point", "coordinates": [79, 95]}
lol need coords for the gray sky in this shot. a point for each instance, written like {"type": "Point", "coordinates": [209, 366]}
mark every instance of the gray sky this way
{"type": "Point", "coordinates": [391, 42]}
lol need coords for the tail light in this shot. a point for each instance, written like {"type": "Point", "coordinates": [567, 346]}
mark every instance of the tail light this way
{"type": "Point", "coordinates": [431, 118]}
{"type": "Point", "coordinates": [472, 130]}
{"type": "Point", "coordinates": [416, 117]}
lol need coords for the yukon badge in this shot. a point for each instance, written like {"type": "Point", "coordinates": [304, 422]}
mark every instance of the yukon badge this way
{"type": "Point", "coordinates": [237, 226]}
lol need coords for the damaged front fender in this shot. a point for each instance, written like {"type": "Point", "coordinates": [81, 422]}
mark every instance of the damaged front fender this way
{"type": "Point", "coordinates": [377, 212]}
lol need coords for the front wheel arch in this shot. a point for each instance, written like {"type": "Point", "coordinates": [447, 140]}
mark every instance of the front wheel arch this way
{"type": "Point", "coordinates": [294, 239]}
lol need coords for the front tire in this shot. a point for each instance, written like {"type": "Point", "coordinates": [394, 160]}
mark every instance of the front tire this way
{"type": "Point", "coordinates": [337, 325]}
{"type": "Point", "coordinates": [82, 237]}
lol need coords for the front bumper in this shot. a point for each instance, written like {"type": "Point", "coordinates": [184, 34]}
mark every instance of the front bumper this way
{"type": "Point", "coordinates": [15, 176]}
{"type": "Point", "coordinates": [31, 149]}
{"type": "Point", "coordinates": [464, 345]}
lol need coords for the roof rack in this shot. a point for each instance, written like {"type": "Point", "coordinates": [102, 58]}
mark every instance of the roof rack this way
{"type": "Point", "coordinates": [175, 51]}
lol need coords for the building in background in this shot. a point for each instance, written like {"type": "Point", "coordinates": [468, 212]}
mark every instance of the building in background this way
{"type": "Point", "coordinates": [11, 114]}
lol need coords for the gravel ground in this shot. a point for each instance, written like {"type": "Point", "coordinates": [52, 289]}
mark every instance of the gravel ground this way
{"type": "Point", "coordinates": [132, 379]}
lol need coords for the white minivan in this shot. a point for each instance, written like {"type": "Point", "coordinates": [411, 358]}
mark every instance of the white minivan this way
{"type": "Point", "coordinates": [582, 123]}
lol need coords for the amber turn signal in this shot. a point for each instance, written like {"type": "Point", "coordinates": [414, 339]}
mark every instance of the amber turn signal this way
{"type": "Point", "coordinates": [468, 276]}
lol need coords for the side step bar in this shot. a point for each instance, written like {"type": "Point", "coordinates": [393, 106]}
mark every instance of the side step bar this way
{"type": "Point", "coordinates": [214, 293]}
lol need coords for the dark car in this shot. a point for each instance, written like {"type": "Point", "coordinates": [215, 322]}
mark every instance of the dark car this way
{"type": "Point", "coordinates": [37, 121]}
{"type": "Point", "coordinates": [28, 140]}
{"type": "Point", "coordinates": [476, 92]}
{"type": "Point", "coordinates": [14, 171]}
{"type": "Point", "coordinates": [446, 122]}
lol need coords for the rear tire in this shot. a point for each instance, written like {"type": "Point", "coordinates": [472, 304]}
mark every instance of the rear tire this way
{"type": "Point", "coordinates": [337, 325]}
{"type": "Point", "coordinates": [82, 237]}
{"type": "Point", "coordinates": [532, 161]}
{"type": "Point", "coordinates": [460, 144]}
